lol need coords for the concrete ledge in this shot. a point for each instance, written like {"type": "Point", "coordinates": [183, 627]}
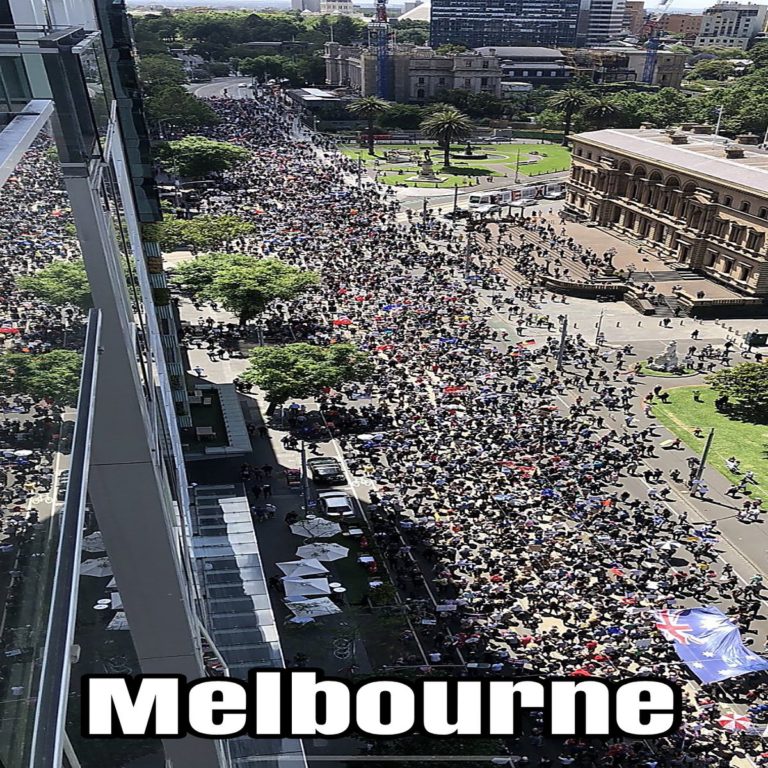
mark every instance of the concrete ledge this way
{"type": "Point", "coordinates": [585, 290]}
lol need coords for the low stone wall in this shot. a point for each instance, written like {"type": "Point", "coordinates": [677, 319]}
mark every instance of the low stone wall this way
{"type": "Point", "coordinates": [709, 309]}
{"type": "Point", "coordinates": [609, 291]}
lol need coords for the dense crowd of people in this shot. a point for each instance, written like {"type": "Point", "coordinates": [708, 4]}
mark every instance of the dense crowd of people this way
{"type": "Point", "coordinates": [507, 486]}
{"type": "Point", "coordinates": [35, 228]}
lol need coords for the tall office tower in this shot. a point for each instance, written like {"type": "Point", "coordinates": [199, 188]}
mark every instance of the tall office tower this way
{"type": "Point", "coordinates": [76, 182]}
{"type": "Point", "coordinates": [480, 23]}
{"type": "Point", "coordinates": [731, 25]}
{"type": "Point", "coordinates": [603, 20]}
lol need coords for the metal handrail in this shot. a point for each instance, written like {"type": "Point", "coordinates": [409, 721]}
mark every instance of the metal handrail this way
{"type": "Point", "coordinates": [51, 711]}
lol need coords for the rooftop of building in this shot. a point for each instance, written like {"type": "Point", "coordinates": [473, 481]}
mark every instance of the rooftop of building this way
{"type": "Point", "coordinates": [732, 6]}
{"type": "Point", "coordinates": [538, 66]}
{"type": "Point", "coordinates": [524, 51]}
{"type": "Point", "coordinates": [313, 95]}
{"type": "Point", "coordinates": [419, 13]}
{"type": "Point", "coordinates": [702, 156]}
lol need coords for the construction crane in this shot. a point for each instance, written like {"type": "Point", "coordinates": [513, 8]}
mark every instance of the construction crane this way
{"type": "Point", "coordinates": [378, 40]}
{"type": "Point", "coordinates": [653, 44]}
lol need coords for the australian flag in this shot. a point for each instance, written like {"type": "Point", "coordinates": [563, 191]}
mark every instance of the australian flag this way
{"type": "Point", "coordinates": [709, 643]}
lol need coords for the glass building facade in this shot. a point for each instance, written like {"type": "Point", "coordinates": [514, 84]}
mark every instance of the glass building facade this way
{"type": "Point", "coordinates": [101, 486]}
{"type": "Point", "coordinates": [480, 23]}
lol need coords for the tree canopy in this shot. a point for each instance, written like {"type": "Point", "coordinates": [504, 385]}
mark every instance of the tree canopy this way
{"type": "Point", "coordinates": [370, 108]}
{"type": "Point", "coordinates": [446, 126]}
{"type": "Point", "coordinates": [569, 101]}
{"type": "Point", "coordinates": [450, 48]}
{"type": "Point", "coordinates": [301, 70]}
{"type": "Point", "coordinates": [197, 156]}
{"type": "Point", "coordinates": [59, 283]}
{"type": "Point", "coordinates": [160, 71]}
{"type": "Point", "coordinates": [244, 285]}
{"type": "Point", "coordinates": [759, 55]}
{"type": "Point", "coordinates": [303, 370]}
{"type": "Point", "coordinates": [478, 105]}
{"type": "Point", "coordinates": [175, 105]}
{"type": "Point", "coordinates": [54, 375]}
{"type": "Point", "coordinates": [712, 69]}
{"type": "Point", "coordinates": [746, 384]}
{"type": "Point", "coordinates": [226, 38]}
{"type": "Point", "coordinates": [202, 233]}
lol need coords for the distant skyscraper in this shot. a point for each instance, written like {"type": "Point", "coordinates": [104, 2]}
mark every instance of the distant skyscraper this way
{"type": "Point", "coordinates": [604, 19]}
{"type": "Point", "coordinates": [478, 23]}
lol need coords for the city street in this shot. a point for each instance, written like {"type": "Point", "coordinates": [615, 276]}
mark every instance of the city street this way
{"type": "Point", "coordinates": [483, 455]}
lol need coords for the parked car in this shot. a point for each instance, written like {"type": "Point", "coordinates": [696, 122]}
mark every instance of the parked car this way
{"type": "Point", "coordinates": [525, 202]}
{"type": "Point", "coordinates": [326, 470]}
{"type": "Point", "coordinates": [555, 195]}
{"type": "Point", "coordinates": [61, 491]}
{"type": "Point", "coordinates": [336, 504]}
{"type": "Point", "coordinates": [459, 213]}
{"type": "Point", "coordinates": [487, 210]}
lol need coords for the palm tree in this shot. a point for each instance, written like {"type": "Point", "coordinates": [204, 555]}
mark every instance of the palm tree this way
{"type": "Point", "coordinates": [447, 126]}
{"type": "Point", "coordinates": [370, 108]}
{"type": "Point", "coordinates": [568, 101]}
{"type": "Point", "coordinates": [601, 110]}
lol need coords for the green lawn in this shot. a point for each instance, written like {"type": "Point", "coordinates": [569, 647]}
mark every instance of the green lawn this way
{"type": "Point", "coordinates": [547, 158]}
{"type": "Point", "coordinates": [746, 441]}
{"type": "Point", "coordinates": [461, 176]}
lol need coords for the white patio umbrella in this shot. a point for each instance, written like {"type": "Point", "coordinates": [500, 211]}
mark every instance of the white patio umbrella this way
{"type": "Point", "coordinates": [118, 621]}
{"type": "Point", "coordinates": [309, 587]}
{"type": "Point", "coordinates": [94, 542]}
{"type": "Point", "coordinates": [317, 528]}
{"type": "Point", "coordinates": [322, 550]}
{"type": "Point", "coordinates": [320, 606]}
{"type": "Point", "coordinates": [297, 568]}
{"type": "Point", "coordinates": [98, 567]}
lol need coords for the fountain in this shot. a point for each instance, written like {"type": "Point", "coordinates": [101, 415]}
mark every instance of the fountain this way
{"type": "Point", "coordinates": [469, 153]}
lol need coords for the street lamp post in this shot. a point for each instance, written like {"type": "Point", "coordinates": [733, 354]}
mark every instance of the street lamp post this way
{"type": "Point", "coordinates": [517, 167]}
{"type": "Point", "coordinates": [455, 200]}
{"type": "Point", "coordinates": [599, 327]}
{"type": "Point", "coordinates": [304, 477]}
{"type": "Point", "coordinates": [161, 125]}
{"type": "Point", "coordinates": [468, 250]}
{"type": "Point", "coordinates": [719, 119]}
{"type": "Point", "coordinates": [704, 456]}
{"type": "Point", "coordinates": [563, 337]}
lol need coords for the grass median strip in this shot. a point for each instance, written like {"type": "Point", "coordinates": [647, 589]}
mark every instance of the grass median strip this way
{"type": "Point", "coordinates": [747, 441]}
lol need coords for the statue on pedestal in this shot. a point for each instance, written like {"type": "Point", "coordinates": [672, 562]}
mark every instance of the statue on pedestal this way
{"type": "Point", "coordinates": [427, 167]}
{"type": "Point", "coordinates": [668, 361]}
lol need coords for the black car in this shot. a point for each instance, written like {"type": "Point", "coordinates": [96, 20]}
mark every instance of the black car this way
{"type": "Point", "coordinates": [61, 491]}
{"type": "Point", "coordinates": [326, 471]}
